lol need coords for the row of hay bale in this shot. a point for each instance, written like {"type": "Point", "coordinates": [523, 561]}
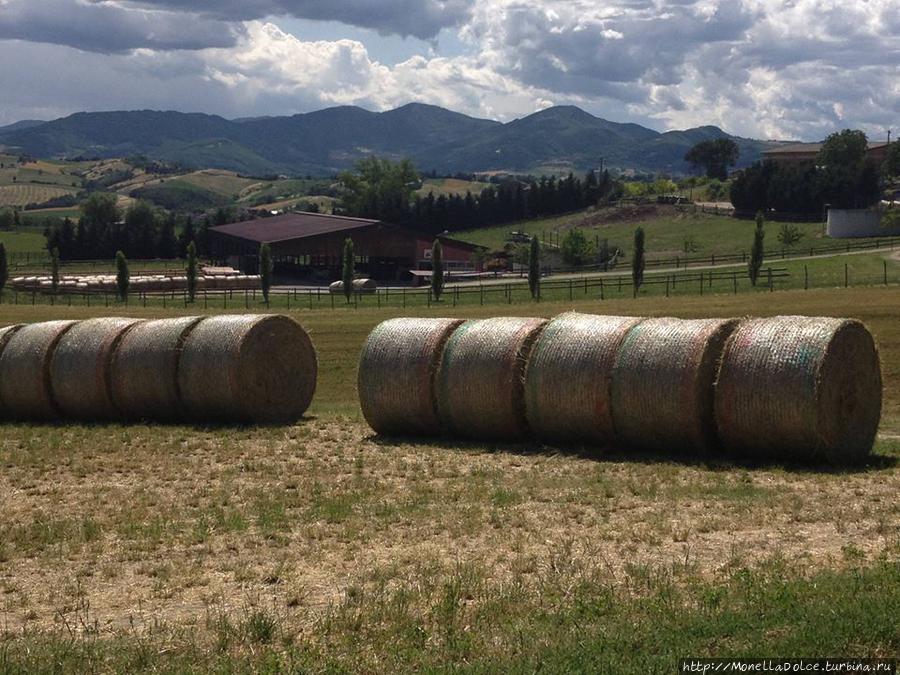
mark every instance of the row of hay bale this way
{"type": "Point", "coordinates": [147, 283]}
{"type": "Point", "coordinates": [789, 387]}
{"type": "Point", "coordinates": [236, 368]}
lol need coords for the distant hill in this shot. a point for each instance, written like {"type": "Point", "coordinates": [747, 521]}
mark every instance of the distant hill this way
{"type": "Point", "coordinates": [22, 124]}
{"type": "Point", "coordinates": [325, 141]}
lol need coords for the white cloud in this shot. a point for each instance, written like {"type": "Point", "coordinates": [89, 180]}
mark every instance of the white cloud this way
{"type": "Point", "coordinates": [764, 68]}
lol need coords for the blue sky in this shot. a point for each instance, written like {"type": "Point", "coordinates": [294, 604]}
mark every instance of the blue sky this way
{"type": "Point", "coordinates": [791, 69]}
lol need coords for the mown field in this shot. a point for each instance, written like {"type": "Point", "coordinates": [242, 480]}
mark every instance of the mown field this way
{"type": "Point", "coordinates": [20, 195]}
{"type": "Point", "coordinates": [669, 231]}
{"type": "Point", "coordinates": [319, 547]}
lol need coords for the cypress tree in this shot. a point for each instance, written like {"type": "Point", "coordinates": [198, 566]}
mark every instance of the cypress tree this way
{"type": "Point", "coordinates": [123, 276]}
{"type": "Point", "coordinates": [54, 270]}
{"type": "Point", "coordinates": [347, 272]}
{"type": "Point", "coordinates": [534, 268]}
{"type": "Point", "coordinates": [4, 267]}
{"type": "Point", "coordinates": [191, 271]}
{"type": "Point", "coordinates": [637, 260]}
{"type": "Point", "coordinates": [437, 269]}
{"type": "Point", "coordinates": [756, 254]}
{"type": "Point", "coordinates": [265, 270]}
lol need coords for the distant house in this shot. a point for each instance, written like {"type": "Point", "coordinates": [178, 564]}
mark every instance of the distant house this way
{"type": "Point", "coordinates": [312, 244]}
{"type": "Point", "coordinates": [807, 152]}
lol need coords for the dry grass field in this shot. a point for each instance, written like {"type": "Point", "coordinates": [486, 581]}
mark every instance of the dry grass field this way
{"type": "Point", "coordinates": [321, 547]}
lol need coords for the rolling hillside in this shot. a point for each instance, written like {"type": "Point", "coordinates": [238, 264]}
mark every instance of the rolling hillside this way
{"type": "Point", "coordinates": [323, 142]}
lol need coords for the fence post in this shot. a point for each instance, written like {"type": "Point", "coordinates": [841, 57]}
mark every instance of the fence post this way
{"type": "Point", "coordinates": [805, 277]}
{"type": "Point", "coordinates": [885, 271]}
{"type": "Point", "coordinates": [771, 287]}
{"type": "Point", "coordinates": [701, 282]}
{"type": "Point", "coordinates": [734, 274]}
{"type": "Point", "coordinates": [667, 285]}
{"type": "Point", "coordinates": [846, 275]}
{"type": "Point", "coordinates": [601, 288]}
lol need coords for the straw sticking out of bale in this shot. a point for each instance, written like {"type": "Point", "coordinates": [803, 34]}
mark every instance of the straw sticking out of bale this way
{"type": "Point", "coordinates": [800, 388]}
{"type": "Point", "coordinates": [144, 369]}
{"type": "Point", "coordinates": [80, 368]}
{"type": "Point", "coordinates": [25, 370]}
{"type": "Point", "coordinates": [662, 385]}
{"type": "Point", "coordinates": [397, 369]}
{"type": "Point", "coordinates": [479, 387]}
{"type": "Point", "coordinates": [247, 368]}
{"type": "Point", "coordinates": [567, 381]}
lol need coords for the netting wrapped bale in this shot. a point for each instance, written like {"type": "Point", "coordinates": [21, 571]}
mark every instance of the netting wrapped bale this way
{"type": "Point", "coordinates": [5, 334]}
{"type": "Point", "coordinates": [336, 287]}
{"type": "Point", "coordinates": [479, 386]}
{"type": "Point", "coordinates": [80, 368]}
{"type": "Point", "coordinates": [247, 368]}
{"type": "Point", "coordinates": [25, 370]}
{"type": "Point", "coordinates": [144, 370]}
{"type": "Point", "coordinates": [662, 384]}
{"type": "Point", "coordinates": [396, 376]}
{"type": "Point", "coordinates": [364, 285]}
{"type": "Point", "coordinates": [800, 388]}
{"type": "Point", "coordinates": [568, 377]}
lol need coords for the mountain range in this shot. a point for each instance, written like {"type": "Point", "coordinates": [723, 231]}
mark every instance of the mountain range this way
{"type": "Point", "coordinates": [555, 139]}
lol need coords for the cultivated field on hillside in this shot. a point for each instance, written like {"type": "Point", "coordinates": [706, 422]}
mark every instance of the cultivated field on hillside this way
{"type": "Point", "coordinates": [450, 186]}
{"type": "Point", "coordinates": [20, 195]}
{"type": "Point", "coordinates": [319, 546]}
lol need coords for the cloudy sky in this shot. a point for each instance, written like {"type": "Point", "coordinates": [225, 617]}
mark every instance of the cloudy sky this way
{"type": "Point", "coordinates": [761, 68]}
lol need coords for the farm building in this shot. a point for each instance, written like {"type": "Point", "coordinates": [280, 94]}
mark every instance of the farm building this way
{"type": "Point", "coordinates": [807, 152]}
{"type": "Point", "coordinates": [311, 245]}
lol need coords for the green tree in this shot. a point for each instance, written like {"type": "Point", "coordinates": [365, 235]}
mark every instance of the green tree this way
{"type": "Point", "coordinates": [191, 271]}
{"type": "Point", "coordinates": [534, 268]}
{"type": "Point", "coordinates": [575, 247]}
{"type": "Point", "coordinates": [892, 161]}
{"type": "Point", "coordinates": [99, 214]}
{"type": "Point", "coordinates": [379, 188]}
{"type": "Point", "coordinates": [789, 234]}
{"type": "Point", "coordinates": [4, 267]}
{"type": "Point", "coordinates": [844, 151]}
{"type": "Point", "coordinates": [123, 276]}
{"type": "Point", "coordinates": [54, 270]}
{"type": "Point", "coordinates": [637, 261]}
{"type": "Point", "coordinates": [7, 219]}
{"type": "Point", "coordinates": [714, 156]}
{"type": "Point", "coordinates": [167, 246]}
{"type": "Point", "coordinates": [348, 268]}
{"type": "Point", "coordinates": [140, 230]}
{"type": "Point", "coordinates": [265, 270]}
{"type": "Point", "coordinates": [437, 269]}
{"type": "Point", "coordinates": [756, 253]}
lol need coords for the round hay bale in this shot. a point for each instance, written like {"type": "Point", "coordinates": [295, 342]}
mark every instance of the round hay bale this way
{"type": "Point", "coordinates": [365, 285]}
{"type": "Point", "coordinates": [336, 287]}
{"type": "Point", "coordinates": [796, 387]}
{"type": "Point", "coordinates": [662, 383]}
{"type": "Point", "coordinates": [25, 370]}
{"type": "Point", "coordinates": [80, 368]}
{"type": "Point", "coordinates": [247, 368]}
{"type": "Point", "coordinates": [396, 375]}
{"type": "Point", "coordinates": [480, 382]}
{"type": "Point", "coordinates": [5, 334]}
{"type": "Point", "coordinates": [144, 369]}
{"type": "Point", "coordinates": [569, 374]}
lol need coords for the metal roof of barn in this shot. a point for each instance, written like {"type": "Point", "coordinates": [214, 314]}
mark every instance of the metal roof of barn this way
{"type": "Point", "coordinates": [292, 226]}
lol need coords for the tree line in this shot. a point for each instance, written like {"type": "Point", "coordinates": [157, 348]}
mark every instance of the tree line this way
{"type": "Point", "coordinates": [142, 231]}
{"type": "Point", "coordinates": [385, 190]}
{"type": "Point", "coordinates": [841, 176]}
